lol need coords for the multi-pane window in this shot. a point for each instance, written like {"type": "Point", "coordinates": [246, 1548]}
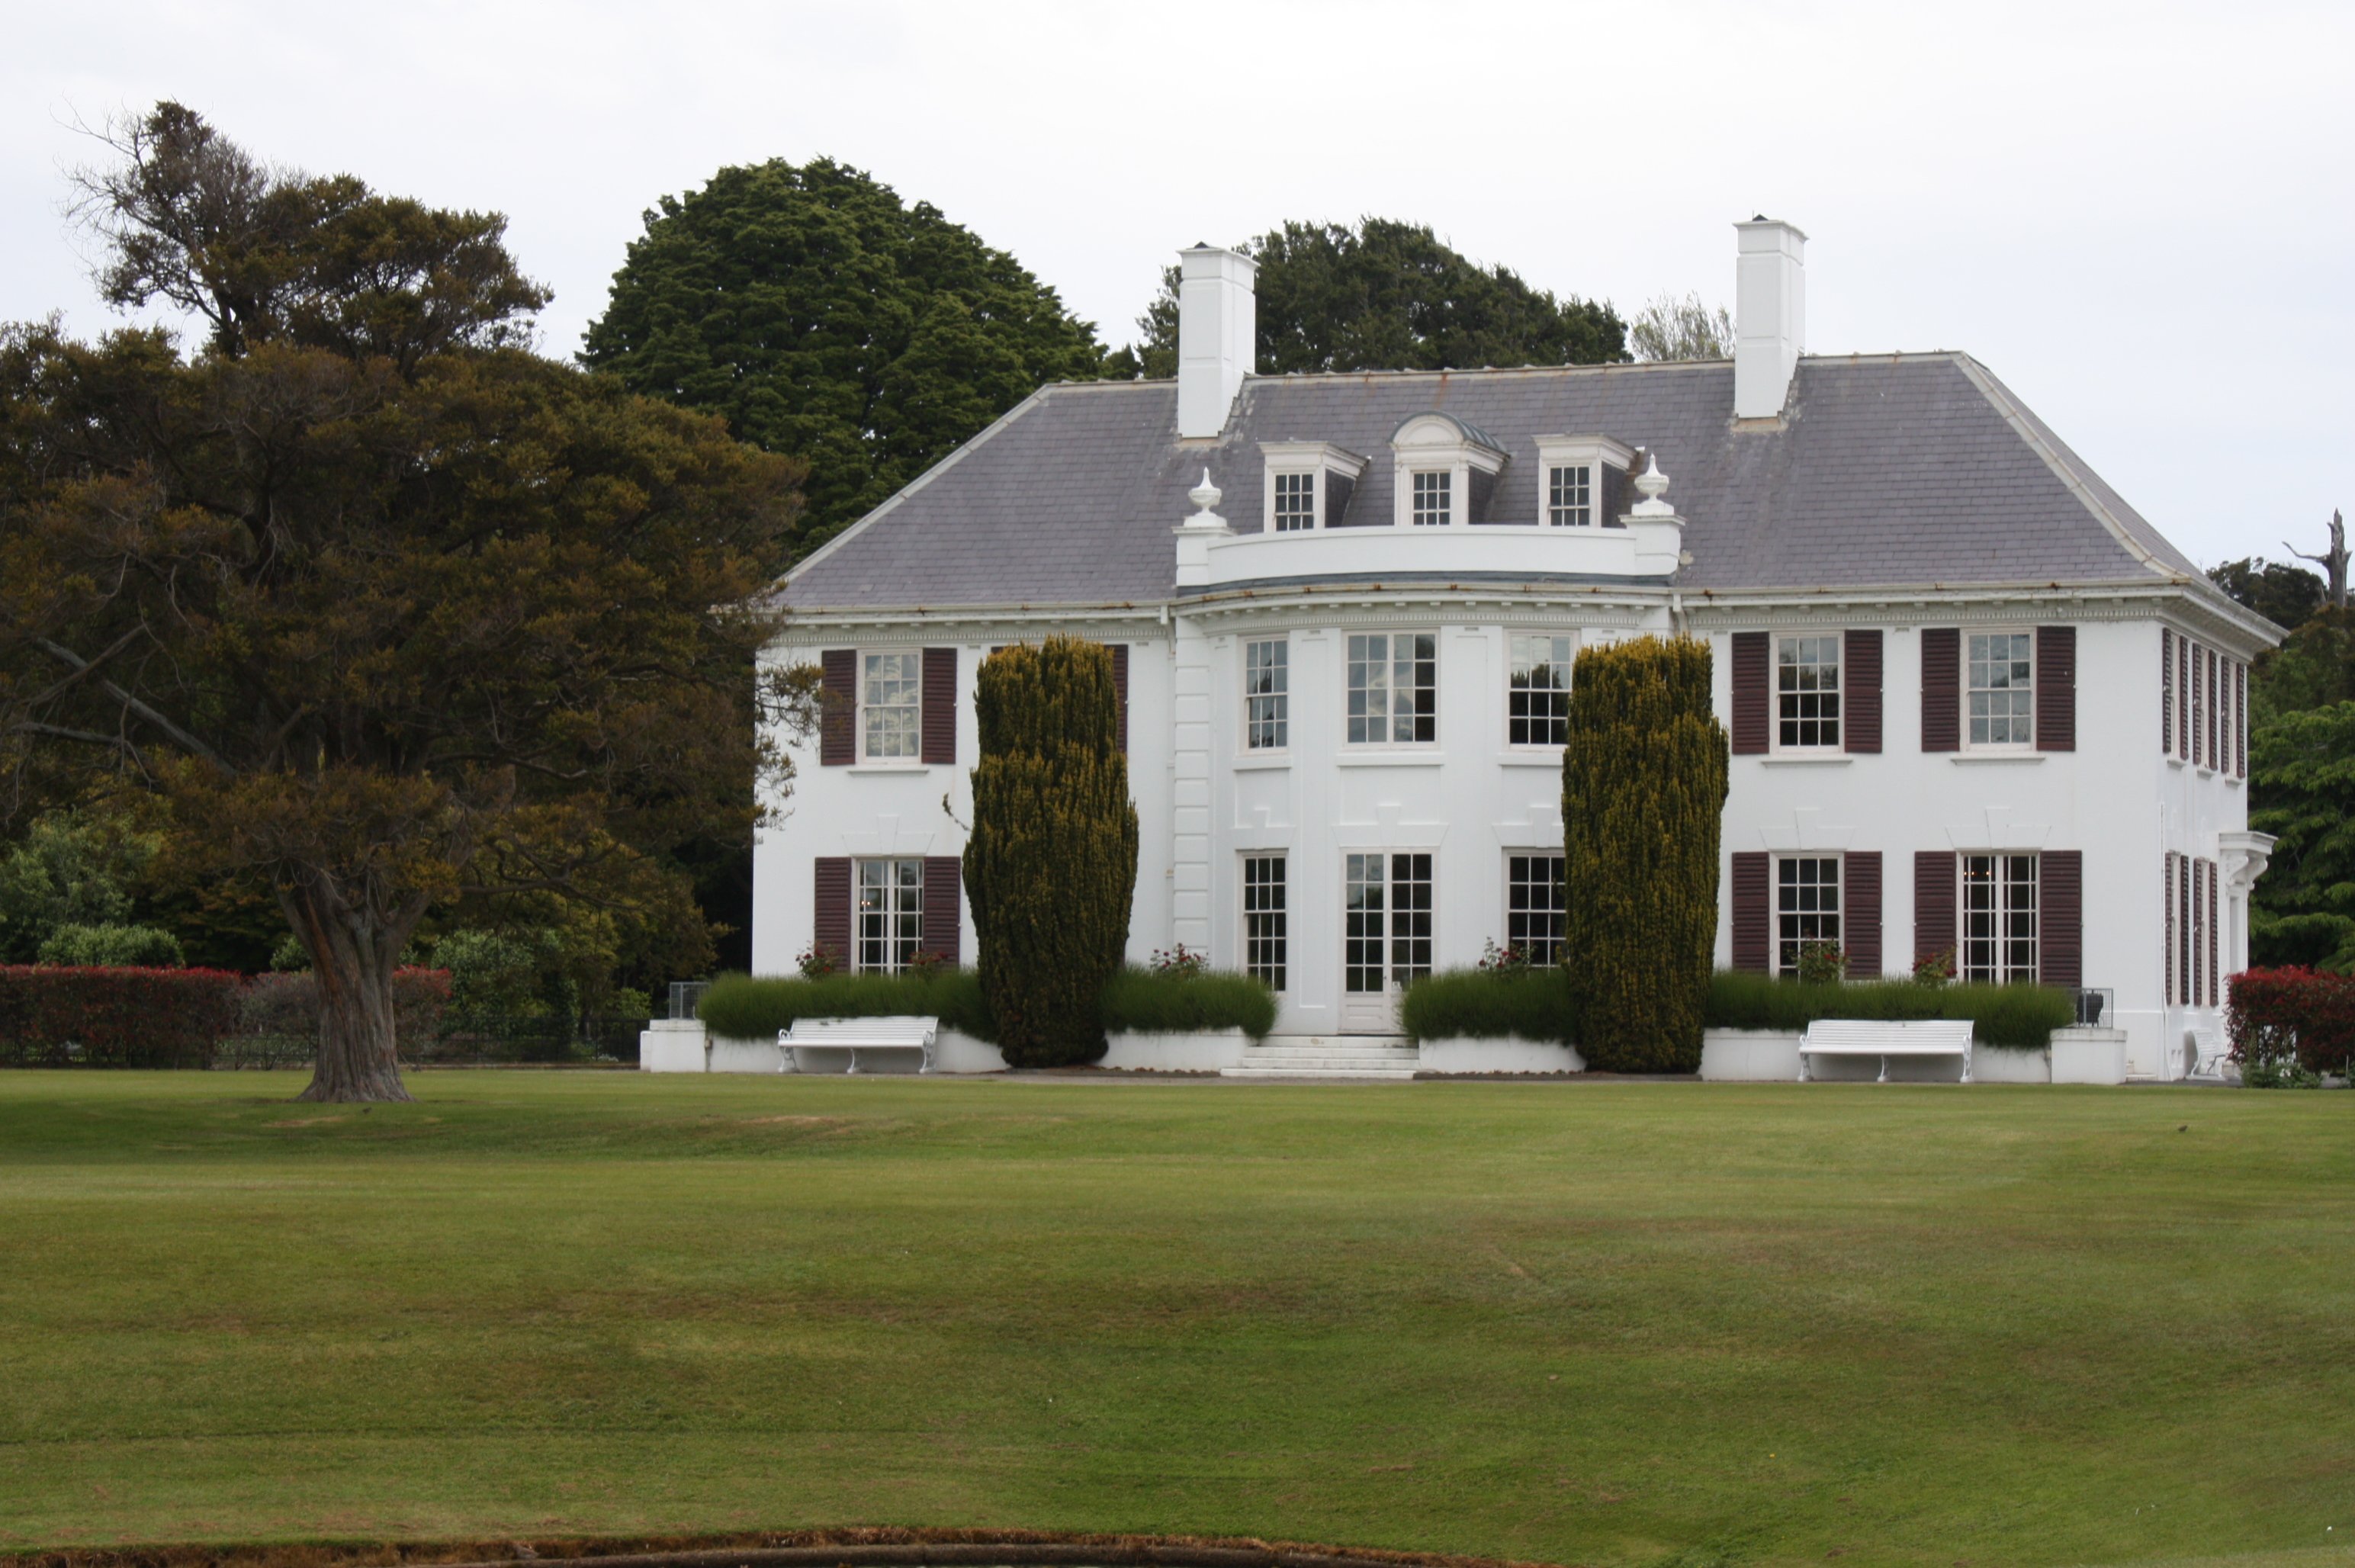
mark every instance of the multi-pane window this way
{"type": "Point", "coordinates": [1534, 897]}
{"type": "Point", "coordinates": [1296, 502]}
{"type": "Point", "coordinates": [2001, 690]}
{"type": "Point", "coordinates": [1536, 698]}
{"type": "Point", "coordinates": [891, 706]}
{"type": "Point", "coordinates": [1806, 907]}
{"type": "Point", "coordinates": [1264, 938]}
{"type": "Point", "coordinates": [1432, 491]}
{"type": "Point", "coordinates": [1267, 695]}
{"type": "Point", "coordinates": [891, 914]}
{"type": "Point", "coordinates": [1394, 688]}
{"type": "Point", "coordinates": [1386, 920]}
{"type": "Point", "coordinates": [1998, 919]}
{"type": "Point", "coordinates": [1569, 495]}
{"type": "Point", "coordinates": [1807, 691]}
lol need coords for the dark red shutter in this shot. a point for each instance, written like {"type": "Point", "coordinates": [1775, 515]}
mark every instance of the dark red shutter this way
{"type": "Point", "coordinates": [1863, 695]}
{"type": "Point", "coordinates": [1933, 903]}
{"type": "Point", "coordinates": [2199, 705]}
{"type": "Point", "coordinates": [1861, 913]}
{"type": "Point", "coordinates": [2166, 691]}
{"type": "Point", "coordinates": [2060, 917]}
{"type": "Point", "coordinates": [943, 933]}
{"type": "Point", "coordinates": [1942, 697]}
{"type": "Point", "coordinates": [1119, 687]}
{"type": "Point", "coordinates": [2217, 707]}
{"type": "Point", "coordinates": [2183, 699]}
{"type": "Point", "coordinates": [837, 707]}
{"type": "Point", "coordinates": [2241, 720]}
{"type": "Point", "coordinates": [940, 705]}
{"type": "Point", "coordinates": [2215, 978]}
{"type": "Point", "coordinates": [2166, 963]}
{"type": "Point", "coordinates": [2056, 688]}
{"type": "Point", "coordinates": [1751, 697]}
{"type": "Point", "coordinates": [1752, 918]}
{"type": "Point", "coordinates": [830, 933]}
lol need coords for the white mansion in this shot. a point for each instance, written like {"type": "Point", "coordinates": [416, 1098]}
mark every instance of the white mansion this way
{"type": "Point", "coordinates": [1977, 703]}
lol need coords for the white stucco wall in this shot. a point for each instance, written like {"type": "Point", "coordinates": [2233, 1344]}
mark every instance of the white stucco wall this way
{"type": "Point", "coordinates": [1470, 799]}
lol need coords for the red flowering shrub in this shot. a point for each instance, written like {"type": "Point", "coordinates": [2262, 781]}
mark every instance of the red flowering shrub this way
{"type": "Point", "coordinates": [52, 1016]}
{"type": "Point", "coordinates": [2278, 1014]}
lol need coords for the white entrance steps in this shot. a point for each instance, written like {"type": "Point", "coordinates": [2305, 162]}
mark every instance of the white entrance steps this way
{"type": "Point", "coordinates": [1311, 1058]}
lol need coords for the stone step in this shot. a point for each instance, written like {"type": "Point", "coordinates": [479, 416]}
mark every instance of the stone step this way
{"type": "Point", "coordinates": [1322, 1075]}
{"type": "Point", "coordinates": [1328, 1056]}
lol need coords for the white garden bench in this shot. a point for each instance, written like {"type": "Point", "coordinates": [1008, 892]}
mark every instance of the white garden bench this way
{"type": "Point", "coordinates": [894, 1033]}
{"type": "Point", "coordinates": [1885, 1039]}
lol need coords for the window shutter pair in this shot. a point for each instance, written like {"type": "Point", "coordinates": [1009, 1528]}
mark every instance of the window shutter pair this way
{"type": "Point", "coordinates": [837, 732]}
{"type": "Point", "coordinates": [2056, 688]}
{"type": "Point", "coordinates": [1754, 692]}
{"type": "Point", "coordinates": [2060, 901]}
{"type": "Point", "coordinates": [1754, 911]}
{"type": "Point", "coordinates": [943, 906]}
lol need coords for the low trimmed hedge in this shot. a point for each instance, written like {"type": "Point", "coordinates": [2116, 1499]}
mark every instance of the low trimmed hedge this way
{"type": "Point", "coordinates": [1147, 1003]}
{"type": "Point", "coordinates": [2020, 1018]}
{"type": "Point", "coordinates": [742, 1007]}
{"type": "Point", "coordinates": [52, 1016]}
{"type": "Point", "coordinates": [1475, 1004]}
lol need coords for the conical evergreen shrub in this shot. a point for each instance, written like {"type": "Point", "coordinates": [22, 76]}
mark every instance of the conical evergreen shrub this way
{"type": "Point", "coordinates": [1643, 793]}
{"type": "Point", "coordinates": [1051, 864]}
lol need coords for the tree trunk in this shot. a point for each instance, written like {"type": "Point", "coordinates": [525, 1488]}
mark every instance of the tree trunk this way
{"type": "Point", "coordinates": [353, 950]}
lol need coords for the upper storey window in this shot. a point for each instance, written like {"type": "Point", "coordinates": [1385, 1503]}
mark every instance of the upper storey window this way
{"type": "Point", "coordinates": [1444, 471]}
{"type": "Point", "coordinates": [2002, 688]}
{"type": "Point", "coordinates": [1580, 480]}
{"type": "Point", "coordinates": [891, 707]}
{"type": "Point", "coordinates": [1309, 484]}
{"type": "Point", "coordinates": [1807, 693]}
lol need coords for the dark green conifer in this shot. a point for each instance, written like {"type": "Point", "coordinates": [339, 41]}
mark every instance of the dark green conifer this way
{"type": "Point", "coordinates": [1051, 864]}
{"type": "Point", "coordinates": [1644, 782]}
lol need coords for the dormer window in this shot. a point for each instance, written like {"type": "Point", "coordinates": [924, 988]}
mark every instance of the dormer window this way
{"type": "Point", "coordinates": [1444, 471]}
{"type": "Point", "coordinates": [1580, 480]}
{"type": "Point", "coordinates": [1432, 495]}
{"type": "Point", "coordinates": [1308, 485]}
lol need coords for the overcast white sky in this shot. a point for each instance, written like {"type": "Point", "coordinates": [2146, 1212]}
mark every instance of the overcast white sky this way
{"type": "Point", "coordinates": [2141, 217]}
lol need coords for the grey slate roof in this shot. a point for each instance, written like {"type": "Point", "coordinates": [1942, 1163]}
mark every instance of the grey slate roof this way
{"type": "Point", "coordinates": [1892, 471]}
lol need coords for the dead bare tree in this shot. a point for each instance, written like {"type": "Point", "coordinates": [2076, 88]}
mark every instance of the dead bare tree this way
{"type": "Point", "coordinates": [2333, 561]}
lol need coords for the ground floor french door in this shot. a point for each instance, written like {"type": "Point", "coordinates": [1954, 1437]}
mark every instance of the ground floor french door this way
{"type": "Point", "coordinates": [1385, 935]}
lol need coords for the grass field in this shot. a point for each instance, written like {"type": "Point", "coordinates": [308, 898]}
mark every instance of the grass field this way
{"type": "Point", "coordinates": [1598, 1322]}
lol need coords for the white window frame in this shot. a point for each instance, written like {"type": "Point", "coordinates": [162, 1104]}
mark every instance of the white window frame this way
{"type": "Point", "coordinates": [1430, 501]}
{"type": "Point", "coordinates": [1437, 443]}
{"type": "Point", "coordinates": [1556, 913]}
{"type": "Point", "coordinates": [2002, 970]}
{"type": "Point", "coordinates": [1278, 700]}
{"type": "Point", "coordinates": [1389, 716]}
{"type": "Point", "coordinates": [2027, 744]}
{"type": "Point", "coordinates": [1319, 459]}
{"type": "Point", "coordinates": [1513, 641]}
{"type": "Point", "coordinates": [1393, 944]}
{"type": "Point", "coordinates": [1839, 720]}
{"type": "Point", "coordinates": [901, 948]}
{"type": "Point", "coordinates": [1838, 913]}
{"type": "Point", "coordinates": [1592, 452]}
{"type": "Point", "coordinates": [1265, 947]}
{"type": "Point", "coordinates": [914, 757]}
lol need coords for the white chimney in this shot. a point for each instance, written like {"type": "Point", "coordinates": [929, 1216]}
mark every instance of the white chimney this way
{"type": "Point", "coordinates": [1218, 323]}
{"type": "Point", "coordinates": [1770, 316]}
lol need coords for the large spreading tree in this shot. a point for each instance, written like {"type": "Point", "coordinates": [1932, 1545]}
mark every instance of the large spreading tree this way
{"type": "Point", "coordinates": [369, 603]}
{"type": "Point", "coordinates": [827, 319]}
{"type": "Point", "coordinates": [1386, 295]}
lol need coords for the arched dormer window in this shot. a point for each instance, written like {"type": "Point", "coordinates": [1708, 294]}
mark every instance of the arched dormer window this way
{"type": "Point", "coordinates": [1445, 471]}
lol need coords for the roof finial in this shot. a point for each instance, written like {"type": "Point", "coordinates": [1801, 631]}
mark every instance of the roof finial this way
{"type": "Point", "coordinates": [1652, 483]}
{"type": "Point", "coordinates": [1206, 495]}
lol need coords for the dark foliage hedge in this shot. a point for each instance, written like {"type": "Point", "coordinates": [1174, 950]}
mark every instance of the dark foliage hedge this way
{"type": "Point", "coordinates": [2275, 1015]}
{"type": "Point", "coordinates": [742, 1007]}
{"type": "Point", "coordinates": [52, 1016]}
{"type": "Point", "coordinates": [1474, 1004]}
{"type": "Point", "coordinates": [2018, 1017]}
{"type": "Point", "coordinates": [288, 1003]}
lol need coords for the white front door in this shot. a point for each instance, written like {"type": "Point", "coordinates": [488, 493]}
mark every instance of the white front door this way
{"type": "Point", "coordinates": [1385, 935]}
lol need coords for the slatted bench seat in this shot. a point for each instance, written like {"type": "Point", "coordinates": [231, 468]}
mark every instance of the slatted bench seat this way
{"type": "Point", "coordinates": [1908, 1037]}
{"type": "Point", "coordinates": [900, 1032]}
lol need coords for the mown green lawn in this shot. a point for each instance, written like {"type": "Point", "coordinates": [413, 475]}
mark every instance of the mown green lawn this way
{"type": "Point", "coordinates": [1594, 1322]}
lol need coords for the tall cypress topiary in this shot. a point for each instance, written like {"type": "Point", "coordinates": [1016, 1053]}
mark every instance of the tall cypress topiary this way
{"type": "Point", "coordinates": [1643, 787]}
{"type": "Point", "coordinates": [1051, 864]}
